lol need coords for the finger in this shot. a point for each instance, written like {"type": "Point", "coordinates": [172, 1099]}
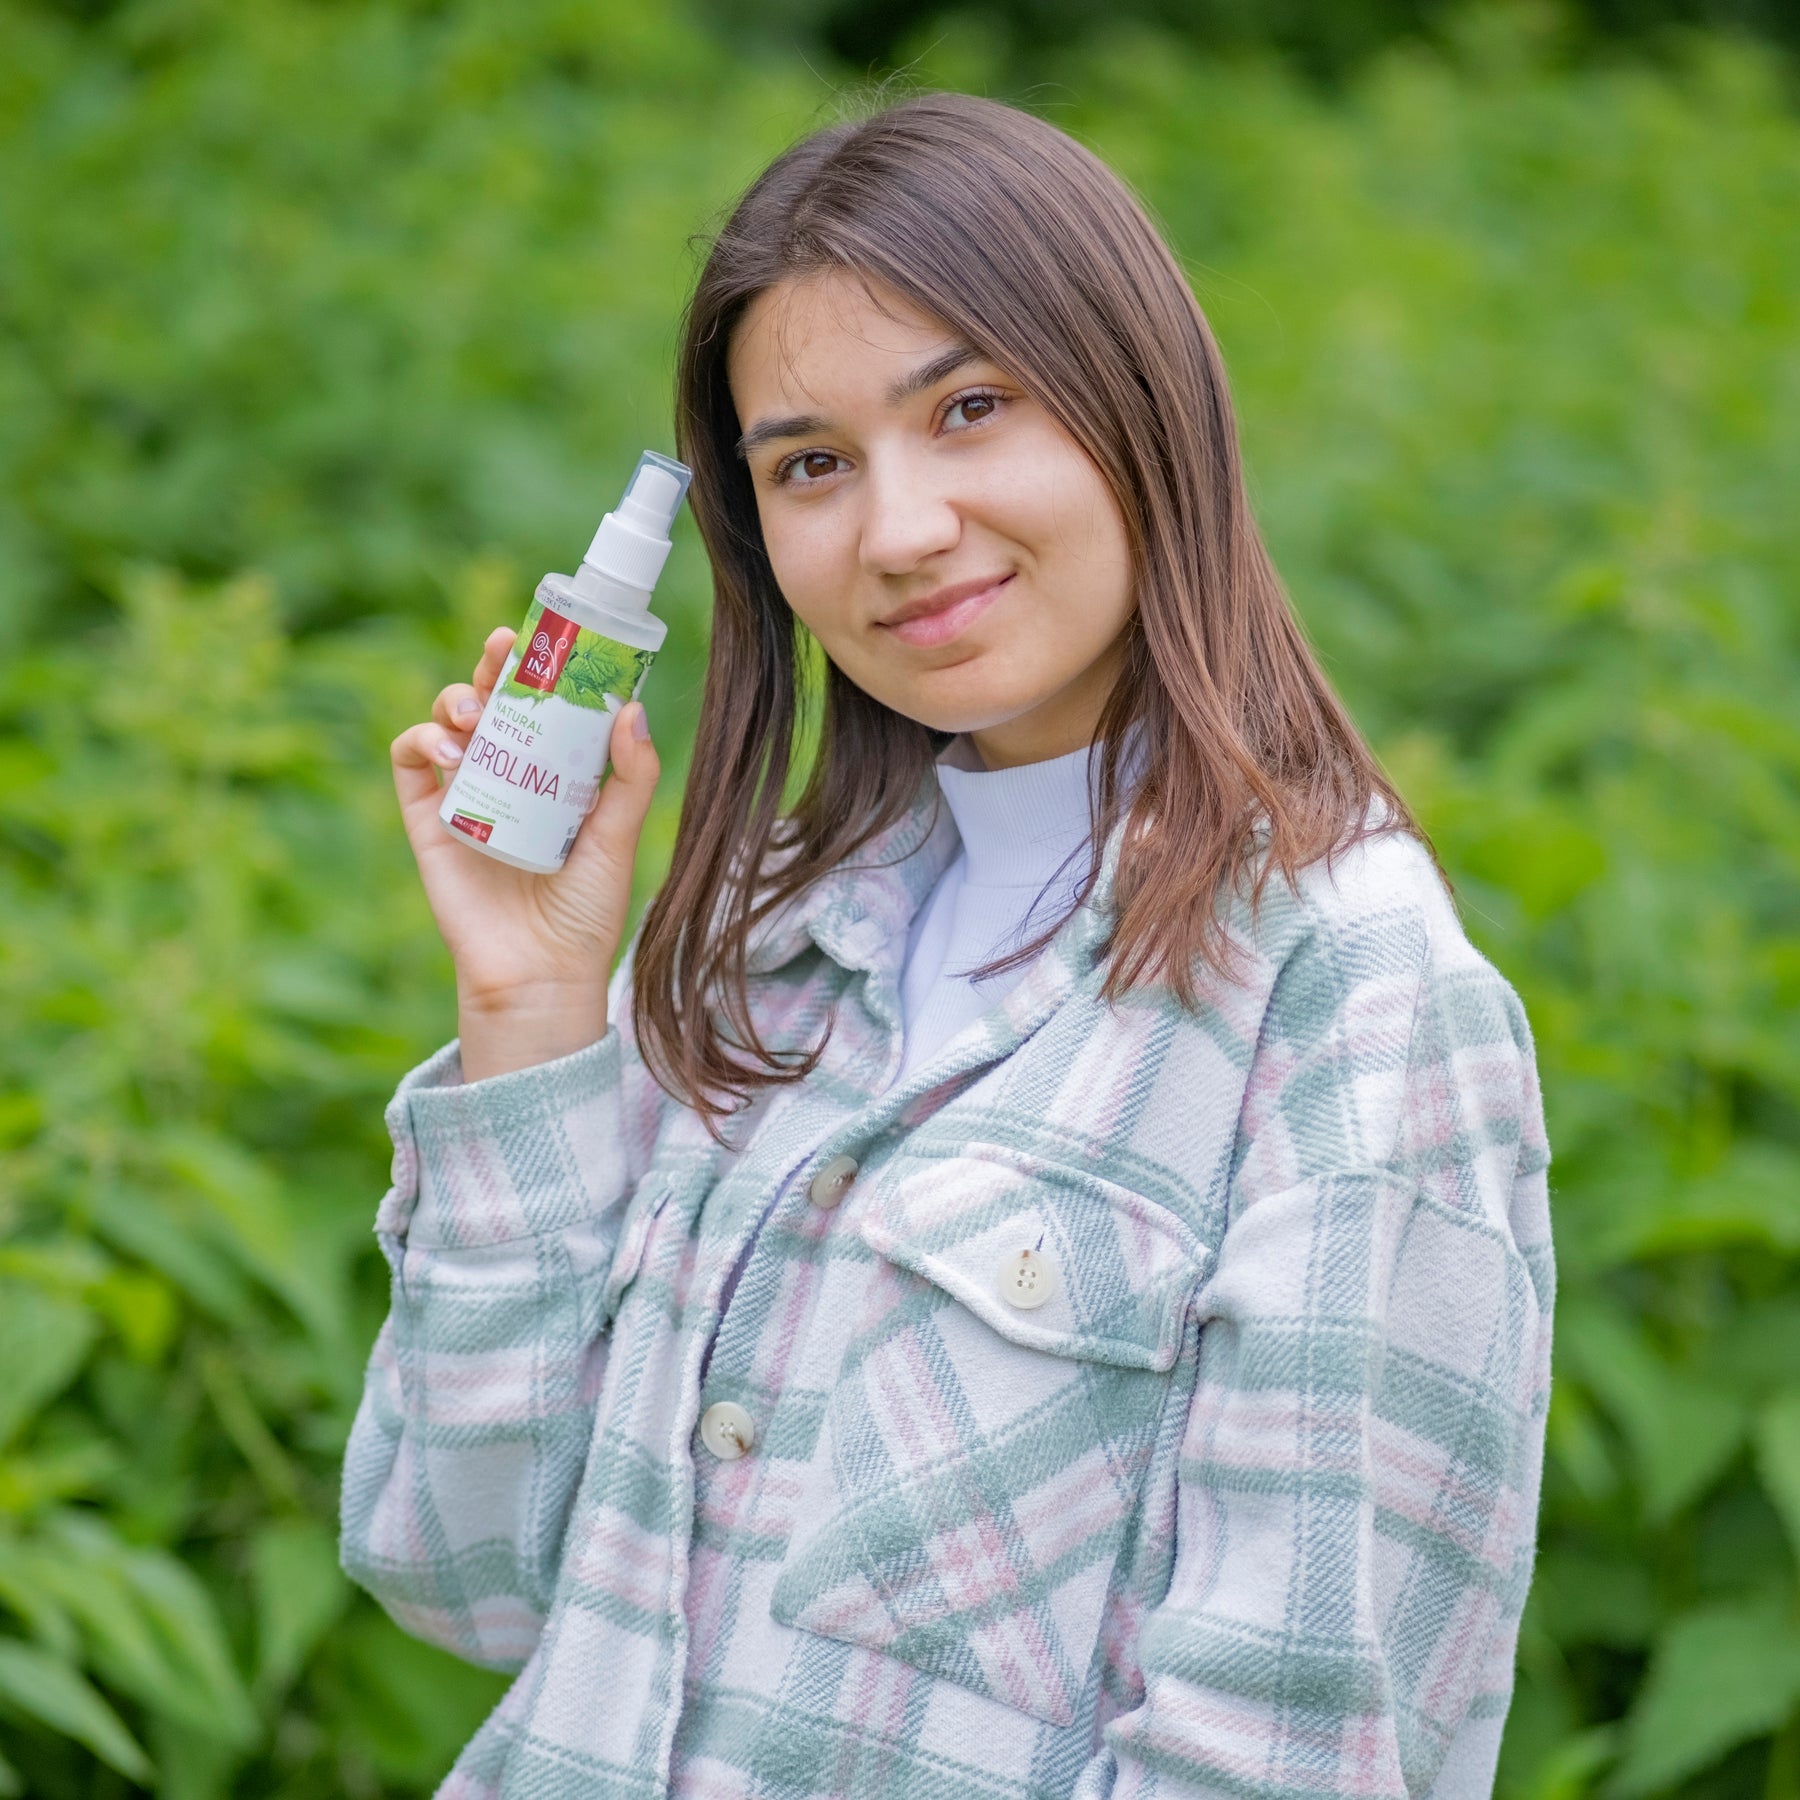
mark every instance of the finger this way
{"type": "Point", "coordinates": [632, 751]}
{"type": "Point", "coordinates": [624, 802]}
{"type": "Point", "coordinates": [419, 754]}
{"type": "Point", "coordinates": [493, 659]}
{"type": "Point", "coordinates": [457, 707]}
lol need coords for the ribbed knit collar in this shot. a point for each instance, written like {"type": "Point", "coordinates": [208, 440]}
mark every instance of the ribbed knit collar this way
{"type": "Point", "coordinates": [1022, 827]}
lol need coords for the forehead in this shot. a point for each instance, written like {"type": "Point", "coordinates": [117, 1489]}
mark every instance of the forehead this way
{"type": "Point", "coordinates": [830, 336]}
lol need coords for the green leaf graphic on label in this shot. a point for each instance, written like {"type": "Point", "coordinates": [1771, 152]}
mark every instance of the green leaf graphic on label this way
{"type": "Point", "coordinates": [599, 666]}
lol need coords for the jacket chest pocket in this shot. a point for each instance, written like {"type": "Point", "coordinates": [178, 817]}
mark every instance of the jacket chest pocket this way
{"type": "Point", "coordinates": [984, 1444]}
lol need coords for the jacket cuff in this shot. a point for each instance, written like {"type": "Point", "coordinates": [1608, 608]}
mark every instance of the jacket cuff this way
{"type": "Point", "coordinates": [512, 1156]}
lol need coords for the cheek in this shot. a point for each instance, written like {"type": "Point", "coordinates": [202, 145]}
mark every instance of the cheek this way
{"type": "Point", "coordinates": [1066, 513]}
{"type": "Point", "coordinates": [808, 560]}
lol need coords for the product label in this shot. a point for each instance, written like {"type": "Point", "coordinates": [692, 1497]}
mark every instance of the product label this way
{"type": "Point", "coordinates": [532, 770]}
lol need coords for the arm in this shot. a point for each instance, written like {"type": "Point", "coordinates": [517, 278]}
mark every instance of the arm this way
{"type": "Point", "coordinates": [479, 1400]}
{"type": "Point", "coordinates": [514, 1153]}
{"type": "Point", "coordinates": [1358, 1482]}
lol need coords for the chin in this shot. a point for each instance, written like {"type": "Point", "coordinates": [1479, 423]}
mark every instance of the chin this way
{"type": "Point", "coordinates": [944, 702]}
{"type": "Point", "coordinates": [960, 721]}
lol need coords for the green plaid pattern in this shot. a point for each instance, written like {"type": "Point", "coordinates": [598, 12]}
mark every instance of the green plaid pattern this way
{"type": "Point", "coordinates": [1245, 1507]}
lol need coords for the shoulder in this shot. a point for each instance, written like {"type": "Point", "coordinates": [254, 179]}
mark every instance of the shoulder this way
{"type": "Point", "coordinates": [1373, 917]}
{"type": "Point", "coordinates": [1384, 1029]}
{"type": "Point", "coordinates": [1384, 886]}
{"type": "Point", "coordinates": [1384, 910]}
{"type": "Point", "coordinates": [1377, 913]}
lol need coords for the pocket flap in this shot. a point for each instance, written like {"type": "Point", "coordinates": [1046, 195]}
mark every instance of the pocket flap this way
{"type": "Point", "coordinates": [641, 1213]}
{"type": "Point", "coordinates": [1122, 1265]}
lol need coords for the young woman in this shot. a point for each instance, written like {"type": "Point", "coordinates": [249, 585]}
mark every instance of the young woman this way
{"type": "Point", "coordinates": [1034, 1277]}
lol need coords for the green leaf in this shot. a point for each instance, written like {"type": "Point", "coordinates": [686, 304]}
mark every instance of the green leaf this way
{"type": "Point", "coordinates": [182, 1614]}
{"type": "Point", "coordinates": [1778, 1459]}
{"type": "Point", "coordinates": [49, 1690]}
{"type": "Point", "coordinates": [124, 1648]}
{"type": "Point", "coordinates": [1720, 1676]}
{"type": "Point", "coordinates": [44, 1339]}
{"type": "Point", "coordinates": [76, 1466]}
{"type": "Point", "coordinates": [1753, 1197]}
{"type": "Point", "coordinates": [1576, 1440]}
{"type": "Point", "coordinates": [141, 1308]}
{"type": "Point", "coordinates": [154, 1630]}
{"type": "Point", "coordinates": [89, 1584]}
{"type": "Point", "coordinates": [247, 1210]}
{"type": "Point", "coordinates": [25, 1593]}
{"type": "Point", "coordinates": [1682, 1430]}
{"type": "Point", "coordinates": [1570, 1771]}
{"type": "Point", "coordinates": [246, 1428]}
{"type": "Point", "coordinates": [300, 1592]}
{"type": "Point", "coordinates": [1590, 1599]}
{"type": "Point", "coordinates": [145, 1225]}
{"type": "Point", "coordinates": [191, 1765]}
{"type": "Point", "coordinates": [409, 1707]}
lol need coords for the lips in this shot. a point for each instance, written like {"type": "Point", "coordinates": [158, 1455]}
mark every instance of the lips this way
{"type": "Point", "coordinates": [946, 614]}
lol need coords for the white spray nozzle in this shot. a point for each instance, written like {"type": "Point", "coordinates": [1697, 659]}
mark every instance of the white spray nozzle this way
{"type": "Point", "coordinates": [654, 499]}
{"type": "Point", "coordinates": [632, 544]}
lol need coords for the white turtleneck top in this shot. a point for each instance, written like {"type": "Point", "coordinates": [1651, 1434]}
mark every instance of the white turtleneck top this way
{"type": "Point", "coordinates": [1024, 856]}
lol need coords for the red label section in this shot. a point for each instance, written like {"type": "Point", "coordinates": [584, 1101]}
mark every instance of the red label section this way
{"type": "Point", "coordinates": [552, 638]}
{"type": "Point", "coordinates": [479, 829]}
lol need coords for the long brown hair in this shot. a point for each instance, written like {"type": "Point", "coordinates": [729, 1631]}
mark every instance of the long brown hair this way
{"type": "Point", "coordinates": [1030, 249]}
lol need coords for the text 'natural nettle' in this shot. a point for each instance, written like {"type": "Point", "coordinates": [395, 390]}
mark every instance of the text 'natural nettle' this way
{"type": "Point", "coordinates": [532, 770]}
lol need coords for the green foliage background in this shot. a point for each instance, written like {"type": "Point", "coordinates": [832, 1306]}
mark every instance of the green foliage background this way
{"type": "Point", "coordinates": [325, 329]}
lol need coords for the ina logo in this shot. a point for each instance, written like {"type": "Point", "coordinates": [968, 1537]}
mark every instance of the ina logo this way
{"type": "Point", "coordinates": [552, 639]}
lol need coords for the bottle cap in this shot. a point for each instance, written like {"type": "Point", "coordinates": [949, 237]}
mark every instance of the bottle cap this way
{"type": "Point", "coordinates": [632, 543]}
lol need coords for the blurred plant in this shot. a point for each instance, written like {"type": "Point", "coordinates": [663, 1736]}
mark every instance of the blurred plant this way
{"type": "Point", "coordinates": [353, 295]}
{"type": "Point", "coordinates": [426, 260]}
{"type": "Point", "coordinates": [1329, 40]}
{"type": "Point", "coordinates": [210, 963]}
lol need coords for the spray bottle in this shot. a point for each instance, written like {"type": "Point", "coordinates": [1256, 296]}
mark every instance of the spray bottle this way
{"type": "Point", "coordinates": [532, 770]}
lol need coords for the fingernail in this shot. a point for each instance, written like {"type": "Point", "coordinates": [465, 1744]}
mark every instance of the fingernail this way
{"type": "Point", "coordinates": [467, 709]}
{"type": "Point", "coordinates": [640, 724]}
{"type": "Point", "coordinates": [449, 752]}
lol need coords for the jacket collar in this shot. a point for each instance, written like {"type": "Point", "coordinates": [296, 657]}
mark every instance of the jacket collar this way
{"type": "Point", "coordinates": [855, 911]}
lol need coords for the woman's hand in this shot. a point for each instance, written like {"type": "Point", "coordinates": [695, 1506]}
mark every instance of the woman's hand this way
{"type": "Point", "coordinates": [532, 952]}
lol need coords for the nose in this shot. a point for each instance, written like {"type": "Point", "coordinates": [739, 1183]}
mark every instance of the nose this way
{"type": "Point", "coordinates": [908, 515]}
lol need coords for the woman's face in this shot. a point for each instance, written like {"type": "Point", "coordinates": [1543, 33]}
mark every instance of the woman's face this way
{"type": "Point", "coordinates": [952, 548]}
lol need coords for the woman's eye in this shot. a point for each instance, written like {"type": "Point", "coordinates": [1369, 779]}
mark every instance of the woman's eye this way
{"type": "Point", "coordinates": [975, 408]}
{"type": "Point", "coordinates": [809, 466]}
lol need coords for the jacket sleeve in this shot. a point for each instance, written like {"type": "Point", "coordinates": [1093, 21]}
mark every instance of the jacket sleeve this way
{"type": "Point", "coordinates": [1357, 1490]}
{"type": "Point", "coordinates": [477, 1411]}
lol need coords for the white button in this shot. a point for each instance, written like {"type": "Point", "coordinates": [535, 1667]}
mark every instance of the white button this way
{"type": "Point", "coordinates": [1027, 1279]}
{"type": "Point", "coordinates": [727, 1430]}
{"type": "Point", "coordinates": [832, 1182]}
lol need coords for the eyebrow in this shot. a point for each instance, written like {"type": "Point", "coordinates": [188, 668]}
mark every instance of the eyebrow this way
{"type": "Point", "coordinates": [926, 375]}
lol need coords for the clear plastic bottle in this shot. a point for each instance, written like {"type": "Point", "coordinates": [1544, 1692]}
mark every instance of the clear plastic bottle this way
{"type": "Point", "coordinates": [532, 770]}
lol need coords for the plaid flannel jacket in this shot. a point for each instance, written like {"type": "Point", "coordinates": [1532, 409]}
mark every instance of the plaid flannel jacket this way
{"type": "Point", "coordinates": [1245, 1507]}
